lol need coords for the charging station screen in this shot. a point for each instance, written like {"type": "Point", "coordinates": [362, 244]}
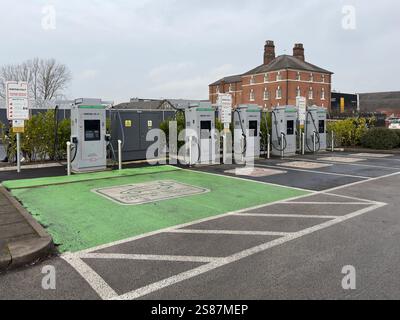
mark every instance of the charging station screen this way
{"type": "Point", "coordinates": [290, 127]}
{"type": "Point", "coordinates": [253, 128]}
{"type": "Point", "coordinates": [205, 129]}
{"type": "Point", "coordinates": [92, 130]}
{"type": "Point", "coordinates": [321, 126]}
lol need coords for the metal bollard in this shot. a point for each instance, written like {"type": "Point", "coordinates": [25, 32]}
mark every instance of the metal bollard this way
{"type": "Point", "coordinates": [282, 149]}
{"type": "Point", "coordinates": [68, 158]}
{"type": "Point", "coordinates": [303, 143]}
{"type": "Point", "coordinates": [315, 142]}
{"type": "Point", "coordinates": [119, 155]}
{"type": "Point", "coordinates": [333, 141]}
{"type": "Point", "coordinates": [269, 146]}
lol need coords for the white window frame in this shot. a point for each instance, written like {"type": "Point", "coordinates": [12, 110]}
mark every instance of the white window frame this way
{"type": "Point", "coordinates": [230, 87]}
{"type": "Point", "coordinates": [311, 93]}
{"type": "Point", "coordinates": [266, 78]}
{"type": "Point", "coordinates": [298, 92]}
{"type": "Point", "coordinates": [252, 95]}
{"type": "Point", "coordinates": [279, 76]}
{"type": "Point", "coordinates": [298, 76]}
{"type": "Point", "coordinates": [311, 77]}
{"type": "Point", "coordinates": [323, 94]}
{"type": "Point", "coordinates": [266, 94]}
{"type": "Point", "coordinates": [252, 80]}
{"type": "Point", "coordinates": [323, 78]}
{"type": "Point", "coordinates": [278, 93]}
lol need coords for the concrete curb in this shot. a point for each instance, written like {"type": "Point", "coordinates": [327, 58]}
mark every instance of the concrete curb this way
{"type": "Point", "coordinates": [24, 252]}
{"type": "Point", "coordinates": [362, 150]}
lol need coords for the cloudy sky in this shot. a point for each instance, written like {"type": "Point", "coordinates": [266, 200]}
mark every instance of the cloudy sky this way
{"type": "Point", "coordinates": [117, 49]}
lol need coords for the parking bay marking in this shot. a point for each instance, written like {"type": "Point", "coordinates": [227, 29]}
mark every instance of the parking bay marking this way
{"type": "Point", "coordinates": [316, 172]}
{"type": "Point", "coordinates": [106, 292]}
{"type": "Point", "coordinates": [135, 294]}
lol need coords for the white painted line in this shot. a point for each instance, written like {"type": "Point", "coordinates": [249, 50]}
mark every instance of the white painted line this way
{"type": "Point", "coordinates": [147, 257]}
{"type": "Point", "coordinates": [328, 203]}
{"type": "Point", "coordinates": [231, 232]}
{"type": "Point", "coordinates": [255, 181]}
{"type": "Point", "coordinates": [361, 182]}
{"type": "Point", "coordinates": [317, 172]}
{"type": "Point", "coordinates": [362, 201]}
{"type": "Point", "coordinates": [92, 278]}
{"type": "Point", "coordinates": [347, 164]}
{"type": "Point", "coordinates": [32, 166]}
{"type": "Point", "coordinates": [277, 215]}
{"type": "Point", "coordinates": [135, 294]}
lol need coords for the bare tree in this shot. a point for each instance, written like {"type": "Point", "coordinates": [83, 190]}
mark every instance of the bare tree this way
{"type": "Point", "coordinates": [46, 77]}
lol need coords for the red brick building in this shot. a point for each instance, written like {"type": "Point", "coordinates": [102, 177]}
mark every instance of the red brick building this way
{"type": "Point", "coordinates": [278, 81]}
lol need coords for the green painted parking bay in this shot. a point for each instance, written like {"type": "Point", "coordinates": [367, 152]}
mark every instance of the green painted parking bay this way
{"type": "Point", "coordinates": [87, 210]}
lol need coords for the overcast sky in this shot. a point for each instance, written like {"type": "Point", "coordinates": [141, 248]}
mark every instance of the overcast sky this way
{"type": "Point", "coordinates": [117, 49]}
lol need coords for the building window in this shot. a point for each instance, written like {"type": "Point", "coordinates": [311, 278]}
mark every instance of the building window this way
{"type": "Point", "coordinates": [252, 80]}
{"type": "Point", "coordinates": [311, 93]}
{"type": "Point", "coordinates": [217, 90]}
{"type": "Point", "coordinates": [323, 94]}
{"type": "Point", "coordinates": [311, 77]}
{"type": "Point", "coordinates": [279, 93]}
{"type": "Point", "coordinates": [298, 92]}
{"type": "Point", "coordinates": [323, 78]}
{"type": "Point", "coordinates": [230, 88]}
{"type": "Point", "coordinates": [252, 95]}
{"type": "Point", "coordinates": [266, 94]}
{"type": "Point", "coordinates": [298, 77]}
{"type": "Point", "coordinates": [266, 78]}
{"type": "Point", "coordinates": [279, 76]}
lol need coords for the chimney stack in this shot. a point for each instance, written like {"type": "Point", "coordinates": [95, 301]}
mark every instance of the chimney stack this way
{"type": "Point", "coordinates": [298, 51]}
{"type": "Point", "coordinates": [269, 52]}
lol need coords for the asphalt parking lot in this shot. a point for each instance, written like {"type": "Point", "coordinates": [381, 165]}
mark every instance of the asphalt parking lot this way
{"type": "Point", "coordinates": [289, 249]}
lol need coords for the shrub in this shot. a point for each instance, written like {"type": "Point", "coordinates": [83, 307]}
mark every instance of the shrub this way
{"type": "Point", "coordinates": [37, 142]}
{"type": "Point", "coordinates": [348, 132]}
{"type": "Point", "coordinates": [380, 138]}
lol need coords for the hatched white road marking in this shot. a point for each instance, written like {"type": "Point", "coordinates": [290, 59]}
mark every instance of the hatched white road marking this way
{"type": "Point", "coordinates": [106, 292]}
{"type": "Point", "coordinates": [146, 257]}
{"type": "Point", "coordinates": [232, 232]}
{"type": "Point", "coordinates": [317, 172]}
{"type": "Point", "coordinates": [95, 280]}
{"type": "Point", "coordinates": [135, 294]}
{"type": "Point", "coordinates": [305, 165]}
{"type": "Point", "coordinates": [372, 155]}
{"type": "Point", "coordinates": [278, 215]}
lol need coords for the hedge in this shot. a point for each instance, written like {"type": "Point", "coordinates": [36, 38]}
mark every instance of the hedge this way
{"type": "Point", "coordinates": [37, 142]}
{"type": "Point", "coordinates": [381, 139]}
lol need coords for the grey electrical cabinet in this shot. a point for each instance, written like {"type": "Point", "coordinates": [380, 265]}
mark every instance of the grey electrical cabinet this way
{"type": "Point", "coordinates": [132, 127]}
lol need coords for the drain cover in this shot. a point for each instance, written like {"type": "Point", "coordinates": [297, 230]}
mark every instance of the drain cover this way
{"type": "Point", "coordinates": [134, 194]}
{"type": "Point", "coordinates": [304, 165]}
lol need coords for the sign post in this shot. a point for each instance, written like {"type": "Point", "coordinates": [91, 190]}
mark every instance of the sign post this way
{"type": "Point", "coordinates": [17, 111]}
{"type": "Point", "coordinates": [225, 103]}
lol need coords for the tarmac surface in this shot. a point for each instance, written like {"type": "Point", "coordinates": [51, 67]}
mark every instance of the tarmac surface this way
{"type": "Point", "coordinates": [290, 249]}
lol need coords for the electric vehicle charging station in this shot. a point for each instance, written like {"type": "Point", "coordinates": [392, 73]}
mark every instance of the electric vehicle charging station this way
{"type": "Point", "coordinates": [247, 121]}
{"type": "Point", "coordinates": [284, 124]}
{"type": "Point", "coordinates": [200, 134]}
{"type": "Point", "coordinates": [88, 135]}
{"type": "Point", "coordinates": [315, 129]}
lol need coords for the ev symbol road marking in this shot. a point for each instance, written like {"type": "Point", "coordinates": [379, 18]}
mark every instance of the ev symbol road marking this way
{"type": "Point", "coordinates": [349, 281]}
{"type": "Point", "coordinates": [49, 280]}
